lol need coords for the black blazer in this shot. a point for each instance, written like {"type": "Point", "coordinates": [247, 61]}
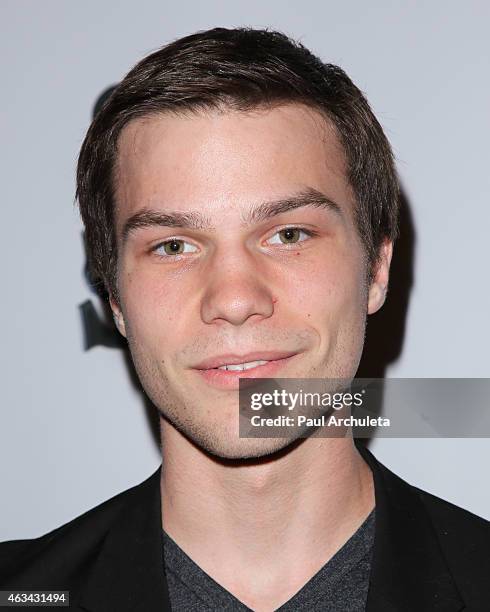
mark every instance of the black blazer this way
{"type": "Point", "coordinates": [429, 555]}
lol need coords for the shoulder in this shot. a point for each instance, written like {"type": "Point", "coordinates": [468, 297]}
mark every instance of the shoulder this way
{"type": "Point", "coordinates": [448, 521]}
{"type": "Point", "coordinates": [464, 540]}
{"type": "Point", "coordinates": [455, 528]}
{"type": "Point", "coordinates": [452, 520]}
{"type": "Point", "coordinates": [464, 537]}
{"type": "Point", "coordinates": [65, 552]}
{"type": "Point", "coordinates": [427, 543]}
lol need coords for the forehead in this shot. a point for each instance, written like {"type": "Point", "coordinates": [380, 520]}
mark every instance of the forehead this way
{"type": "Point", "coordinates": [222, 161]}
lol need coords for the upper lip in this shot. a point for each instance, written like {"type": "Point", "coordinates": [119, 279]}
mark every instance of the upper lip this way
{"type": "Point", "coordinates": [233, 359]}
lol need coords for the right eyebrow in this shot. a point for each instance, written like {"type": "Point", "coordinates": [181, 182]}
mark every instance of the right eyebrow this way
{"type": "Point", "coordinates": [151, 218]}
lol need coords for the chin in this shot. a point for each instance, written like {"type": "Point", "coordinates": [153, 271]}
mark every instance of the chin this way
{"type": "Point", "coordinates": [223, 444]}
{"type": "Point", "coordinates": [251, 449]}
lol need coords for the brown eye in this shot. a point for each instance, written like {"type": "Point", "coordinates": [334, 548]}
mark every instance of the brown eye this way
{"type": "Point", "coordinates": [173, 247]}
{"type": "Point", "coordinates": [289, 235]}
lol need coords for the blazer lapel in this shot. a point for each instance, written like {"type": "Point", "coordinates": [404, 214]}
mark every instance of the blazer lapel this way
{"type": "Point", "coordinates": [408, 570]}
{"type": "Point", "coordinates": [129, 572]}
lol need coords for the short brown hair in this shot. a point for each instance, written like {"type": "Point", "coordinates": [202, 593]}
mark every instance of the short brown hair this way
{"type": "Point", "coordinates": [241, 69]}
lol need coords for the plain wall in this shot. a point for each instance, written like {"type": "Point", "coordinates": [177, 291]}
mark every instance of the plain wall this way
{"type": "Point", "coordinates": [73, 429]}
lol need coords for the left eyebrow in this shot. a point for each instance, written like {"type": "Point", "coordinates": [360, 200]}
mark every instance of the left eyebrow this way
{"type": "Point", "coordinates": [307, 197]}
{"type": "Point", "coordinates": [257, 214]}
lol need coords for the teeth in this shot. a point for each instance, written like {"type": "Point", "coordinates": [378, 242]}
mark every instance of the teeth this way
{"type": "Point", "coordinates": [242, 366]}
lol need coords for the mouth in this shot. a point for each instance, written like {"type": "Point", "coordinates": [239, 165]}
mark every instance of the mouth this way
{"type": "Point", "coordinates": [225, 372]}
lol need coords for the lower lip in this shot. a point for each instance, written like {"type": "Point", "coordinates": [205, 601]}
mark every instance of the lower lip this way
{"type": "Point", "coordinates": [228, 379]}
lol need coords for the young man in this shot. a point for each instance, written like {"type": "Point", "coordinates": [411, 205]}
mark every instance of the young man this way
{"type": "Point", "coordinates": [240, 204]}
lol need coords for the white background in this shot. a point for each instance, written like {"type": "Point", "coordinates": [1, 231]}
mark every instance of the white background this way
{"type": "Point", "coordinates": [73, 430]}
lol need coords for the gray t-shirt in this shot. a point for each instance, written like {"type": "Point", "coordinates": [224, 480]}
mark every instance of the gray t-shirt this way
{"type": "Point", "coordinates": [341, 585]}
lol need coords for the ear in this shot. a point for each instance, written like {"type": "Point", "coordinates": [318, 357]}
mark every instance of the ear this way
{"type": "Point", "coordinates": [379, 284]}
{"type": "Point", "coordinates": [118, 316]}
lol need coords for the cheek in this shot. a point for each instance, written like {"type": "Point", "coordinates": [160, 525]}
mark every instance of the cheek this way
{"type": "Point", "coordinates": [335, 310]}
{"type": "Point", "coordinates": [330, 289]}
{"type": "Point", "coordinates": [153, 308]}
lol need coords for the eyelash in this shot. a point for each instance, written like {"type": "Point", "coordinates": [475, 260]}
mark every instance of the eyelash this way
{"type": "Point", "coordinates": [310, 233]}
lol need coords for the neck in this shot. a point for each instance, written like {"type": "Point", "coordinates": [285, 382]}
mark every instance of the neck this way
{"type": "Point", "coordinates": [271, 522]}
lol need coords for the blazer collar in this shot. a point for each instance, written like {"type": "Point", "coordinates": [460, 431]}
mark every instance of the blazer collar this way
{"type": "Point", "coordinates": [408, 570]}
{"type": "Point", "coordinates": [129, 572]}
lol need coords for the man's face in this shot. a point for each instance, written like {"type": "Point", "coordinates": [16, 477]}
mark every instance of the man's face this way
{"type": "Point", "coordinates": [240, 247]}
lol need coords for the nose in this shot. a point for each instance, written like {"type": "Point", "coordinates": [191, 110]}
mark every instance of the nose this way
{"type": "Point", "coordinates": [236, 291]}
